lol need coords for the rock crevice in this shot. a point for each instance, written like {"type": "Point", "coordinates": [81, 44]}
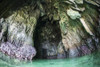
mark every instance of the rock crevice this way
{"type": "Point", "coordinates": [57, 29]}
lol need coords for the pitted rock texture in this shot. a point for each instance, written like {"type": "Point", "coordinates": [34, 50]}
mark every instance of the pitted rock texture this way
{"type": "Point", "coordinates": [49, 26]}
{"type": "Point", "coordinates": [16, 34]}
{"type": "Point", "coordinates": [25, 52]}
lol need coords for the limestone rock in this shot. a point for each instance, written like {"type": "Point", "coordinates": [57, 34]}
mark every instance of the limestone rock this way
{"type": "Point", "coordinates": [79, 1]}
{"type": "Point", "coordinates": [73, 14]}
{"type": "Point", "coordinates": [94, 2]}
{"type": "Point", "coordinates": [46, 26]}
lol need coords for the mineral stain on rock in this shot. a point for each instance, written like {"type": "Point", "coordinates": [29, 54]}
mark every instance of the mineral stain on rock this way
{"type": "Point", "coordinates": [25, 52]}
{"type": "Point", "coordinates": [49, 29]}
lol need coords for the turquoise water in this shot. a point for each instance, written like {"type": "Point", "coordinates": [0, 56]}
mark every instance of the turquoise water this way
{"type": "Point", "coordinates": [92, 60]}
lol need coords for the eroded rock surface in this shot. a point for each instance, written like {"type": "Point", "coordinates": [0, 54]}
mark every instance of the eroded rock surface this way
{"type": "Point", "coordinates": [57, 29]}
{"type": "Point", "coordinates": [25, 52]}
{"type": "Point", "coordinates": [16, 34]}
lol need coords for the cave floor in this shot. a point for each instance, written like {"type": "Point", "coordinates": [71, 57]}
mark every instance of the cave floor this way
{"type": "Point", "coordinates": [92, 60]}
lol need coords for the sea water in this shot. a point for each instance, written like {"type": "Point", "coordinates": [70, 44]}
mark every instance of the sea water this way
{"type": "Point", "coordinates": [92, 60]}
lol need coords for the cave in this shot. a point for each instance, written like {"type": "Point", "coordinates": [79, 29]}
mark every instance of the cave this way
{"type": "Point", "coordinates": [51, 31]}
{"type": "Point", "coordinates": [47, 38]}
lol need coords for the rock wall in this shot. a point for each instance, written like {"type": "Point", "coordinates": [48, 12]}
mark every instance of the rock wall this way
{"type": "Point", "coordinates": [57, 29]}
{"type": "Point", "coordinates": [16, 33]}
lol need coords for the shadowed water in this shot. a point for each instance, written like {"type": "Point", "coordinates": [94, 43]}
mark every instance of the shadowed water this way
{"type": "Point", "coordinates": [92, 60]}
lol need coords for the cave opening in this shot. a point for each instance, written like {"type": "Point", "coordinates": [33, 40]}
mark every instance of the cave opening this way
{"type": "Point", "coordinates": [47, 35]}
{"type": "Point", "coordinates": [46, 38]}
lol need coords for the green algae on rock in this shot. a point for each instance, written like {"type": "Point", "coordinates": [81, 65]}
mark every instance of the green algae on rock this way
{"type": "Point", "coordinates": [56, 28]}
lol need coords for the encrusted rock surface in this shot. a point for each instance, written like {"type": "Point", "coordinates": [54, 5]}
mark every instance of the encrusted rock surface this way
{"type": "Point", "coordinates": [56, 29]}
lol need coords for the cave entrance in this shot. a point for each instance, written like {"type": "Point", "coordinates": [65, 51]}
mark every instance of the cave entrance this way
{"type": "Point", "coordinates": [46, 39]}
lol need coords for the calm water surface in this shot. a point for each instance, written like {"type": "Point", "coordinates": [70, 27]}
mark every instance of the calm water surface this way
{"type": "Point", "coordinates": [92, 60]}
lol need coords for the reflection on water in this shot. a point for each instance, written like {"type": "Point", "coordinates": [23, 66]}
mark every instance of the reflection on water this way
{"type": "Point", "coordinates": [92, 60]}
